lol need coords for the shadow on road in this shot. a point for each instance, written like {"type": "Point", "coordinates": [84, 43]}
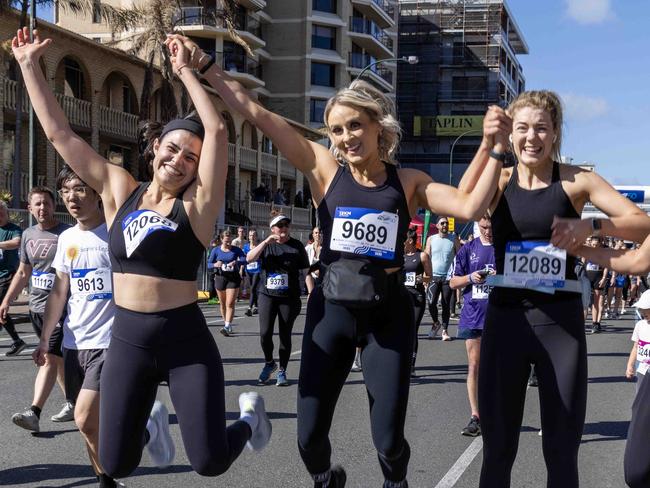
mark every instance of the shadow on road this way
{"type": "Point", "coordinates": [609, 354]}
{"type": "Point", "coordinates": [609, 379]}
{"type": "Point", "coordinates": [608, 431]}
{"type": "Point", "coordinates": [51, 434]}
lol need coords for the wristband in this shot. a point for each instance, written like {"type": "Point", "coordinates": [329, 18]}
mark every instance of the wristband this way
{"type": "Point", "coordinates": [207, 66]}
{"type": "Point", "coordinates": [498, 156]}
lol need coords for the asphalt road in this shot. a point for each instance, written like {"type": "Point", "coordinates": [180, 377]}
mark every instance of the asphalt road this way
{"type": "Point", "coordinates": [438, 410]}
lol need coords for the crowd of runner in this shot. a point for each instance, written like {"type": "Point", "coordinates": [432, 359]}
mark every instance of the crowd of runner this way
{"type": "Point", "coordinates": [115, 315]}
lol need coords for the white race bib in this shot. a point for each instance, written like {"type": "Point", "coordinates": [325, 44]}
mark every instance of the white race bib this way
{"type": "Point", "coordinates": [364, 231]}
{"type": "Point", "coordinates": [481, 291]}
{"type": "Point", "coordinates": [643, 356]}
{"type": "Point", "coordinates": [228, 268]}
{"type": "Point", "coordinates": [410, 279]}
{"type": "Point", "coordinates": [277, 281]}
{"type": "Point", "coordinates": [592, 267]}
{"type": "Point", "coordinates": [253, 266]}
{"type": "Point", "coordinates": [91, 284]}
{"type": "Point", "coordinates": [42, 280]}
{"type": "Point", "coordinates": [529, 264]}
{"type": "Point", "coordinates": [139, 224]}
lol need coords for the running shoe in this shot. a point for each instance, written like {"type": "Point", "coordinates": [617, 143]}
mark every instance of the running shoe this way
{"type": "Point", "coordinates": [254, 310]}
{"type": "Point", "coordinates": [27, 420]}
{"type": "Point", "coordinates": [213, 301]}
{"type": "Point", "coordinates": [253, 403]}
{"type": "Point", "coordinates": [434, 331]}
{"type": "Point", "coordinates": [473, 429]}
{"type": "Point", "coordinates": [16, 348]}
{"type": "Point", "coordinates": [356, 366]}
{"type": "Point", "coordinates": [532, 379]}
{"type": "Point", "coordinates": [161, 445]}
{"type": "Point", "coordinates": [337, 478]}
{"type": "Point", "coordinates": [596, 328]}
{"type": "Point", "coordinates": [267, 371]}
{"type": "Point", "coordinates": [226, 330]}
{"type": "Point", "coordinates": [248, 312]}
{"type": "Point", "coordinates": [445, 335]}
{"type": "Point", "coordinates": [281, 378]}
{"type": "Point", "coordinates": [65, 415]}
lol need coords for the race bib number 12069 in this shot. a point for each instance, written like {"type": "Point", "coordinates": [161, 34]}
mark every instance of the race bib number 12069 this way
{"type": "Point", "coordinates": [364, 231]}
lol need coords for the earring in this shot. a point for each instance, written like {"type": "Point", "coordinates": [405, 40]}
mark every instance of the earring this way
{"type": "Point", "coordinates": [510, 138]}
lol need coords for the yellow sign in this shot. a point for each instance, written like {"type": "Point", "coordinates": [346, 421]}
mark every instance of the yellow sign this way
{"type": "Point", "coordinates": [452, 224]}
{"type": "Point", "coordinates": [447, 125]}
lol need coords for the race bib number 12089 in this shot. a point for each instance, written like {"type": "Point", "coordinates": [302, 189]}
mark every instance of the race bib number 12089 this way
{"type": "Point", "coordinates": [531, 263]}
{"type": "Point", "coordinates": [364, 231]}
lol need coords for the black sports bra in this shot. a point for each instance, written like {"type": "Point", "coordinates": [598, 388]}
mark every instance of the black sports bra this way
{"type": "Point", "coordinates": [143, 242]}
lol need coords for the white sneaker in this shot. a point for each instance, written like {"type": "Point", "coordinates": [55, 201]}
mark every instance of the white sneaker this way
{"type": "Point", "coordinates": [27, 420]}
{"type": "Point", "coordinates": [434, 331]}
{"type": "Point", "coordinates": [253, 404]}
{"type": "Point", "coordinates": [356, 366]}
{"type": "Point", "coordinates": [445, 335]}
{"type": "Point", "coordinates": [65, 415]}
{"type": "Point", "coordinates": [161, 445]}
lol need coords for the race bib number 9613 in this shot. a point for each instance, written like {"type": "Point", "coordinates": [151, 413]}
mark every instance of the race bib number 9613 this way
{"type": "Point", "coordinates": [92, 284]}
{"type": "Point", "coordinates": [364, 231]}
{"type": "Point", "coordinates": [139, 224]}
{"type": "Point", "coordinates": [535, 263]}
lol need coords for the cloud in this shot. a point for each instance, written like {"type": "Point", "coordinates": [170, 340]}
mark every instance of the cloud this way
{"type": "Point", "coordinates": [581, 107]}
{"type": "Point", "coordinates": [589, 11]}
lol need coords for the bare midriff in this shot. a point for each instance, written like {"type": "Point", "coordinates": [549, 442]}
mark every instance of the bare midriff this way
{"type": "Point", "coordinates": [150, 294]}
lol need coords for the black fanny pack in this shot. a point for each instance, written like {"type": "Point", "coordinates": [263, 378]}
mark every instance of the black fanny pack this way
{"type": "Point", "coordinates": [355, 283]}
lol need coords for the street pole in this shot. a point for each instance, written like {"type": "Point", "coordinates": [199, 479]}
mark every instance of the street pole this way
{"type": "Point", "coordinates": [406, 59]}
{"type": "Point", "coordinates": [451, 152]}
{"type": "Point", "coordinates": [32, 141]}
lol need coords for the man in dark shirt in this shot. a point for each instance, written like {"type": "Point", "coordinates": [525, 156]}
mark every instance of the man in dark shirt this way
{"type": "Point", "coordinates": [10, 235]}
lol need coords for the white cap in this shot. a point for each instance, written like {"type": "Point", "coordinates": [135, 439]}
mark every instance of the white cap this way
{"type": "Point", "coordinates": [644, 301]}
{"type": "Point", "coordinates": [279, 218]}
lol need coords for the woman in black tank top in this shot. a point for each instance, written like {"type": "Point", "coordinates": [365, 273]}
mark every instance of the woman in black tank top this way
{"type": "Point", "coordinates": [535, 313]}
{"type": "Point", "coordinates": [364, 205]}
{"type": "Point", "coordinates": [159, 232]}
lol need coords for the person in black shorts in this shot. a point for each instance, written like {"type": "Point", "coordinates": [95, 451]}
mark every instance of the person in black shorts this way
{"type": "Point", "coordinates": [226, 260]}
{"type": "Point", "coordinates": [158, 234]}
{"type": "Point", "coordinates": [282, 258]}
{"type": "Point", "coordinates": [253, 273]}
{"type": "Point", "coordinates": [416, 264]}
{"type": "Point", "coordinates": [364, 205]}
{"type": "Point", "coordinates": [534, 313]}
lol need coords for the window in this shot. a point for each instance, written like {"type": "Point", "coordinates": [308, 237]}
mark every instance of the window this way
{"type": "Point", "coordinates": [126, 98]}
{"type": "Point", "coordinates": [317, 110]}
{"type": "Point", "coordinates": [97, 14]}
{"type": "Point", "coordinates": [324, 6]}
{"type": "Point", "coordinates": [322, 74]}
{"type": "Point", "coordinates": [323, 37]}
{"type": "Point", "coordinates": [74, 79]}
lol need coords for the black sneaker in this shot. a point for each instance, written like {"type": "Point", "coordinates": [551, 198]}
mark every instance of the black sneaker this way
{"type": "Point", "coordinates": [248, 312]}
{"type": "Point", "coordinates": [596, 328]}
{"type": "Point", "coordinates": [473, 429]}
{"type": "Point", "coordinates": [254, 310]}
{"type": "Point", "coordinates": [337, 478]}
{"type": "Point", "coordinates": [16, 348]}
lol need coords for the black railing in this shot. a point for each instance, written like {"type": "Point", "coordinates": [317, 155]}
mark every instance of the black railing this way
{"type": "Point", "coordinates": [365, 26]}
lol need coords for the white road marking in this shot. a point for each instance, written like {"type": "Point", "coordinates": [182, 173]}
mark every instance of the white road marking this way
{"type": "Point", "coordinates": [295, 353]}
{"type": "Point", "coordinates": [463, 462]}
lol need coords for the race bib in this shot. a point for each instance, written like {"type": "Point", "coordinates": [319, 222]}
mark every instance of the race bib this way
{"type": "Point", "coordinates": [531, 263]}
{"type": "Point", "coordinates": [410, 279]}
{"type": "Point", "coordinates": [42, 280]}
{"type": "Point", "coordinates": [92, 284]}
{"type": "Point", "coordinates": [254, 266]}
{"type": "Point", "coordinates": [364, 231]}
{"type": "Point", "coordinates": [228, 268]}
{"type": "Point", "coordinates": [139, 224]}
{"type": "Point", "coordinates": [592, 267]}
{"type": "Point", "coordinates": [277, 281]}
{"type": "Point", "coordinates": [481, 291]}
{"type": "Point", "coordinates": [643, 356]}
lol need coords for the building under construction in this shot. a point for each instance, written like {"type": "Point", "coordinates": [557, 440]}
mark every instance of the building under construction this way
{"type": "Point", "coordinates": [467, 52]}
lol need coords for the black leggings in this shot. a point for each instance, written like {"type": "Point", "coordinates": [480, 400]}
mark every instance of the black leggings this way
{"type": "Point", "coordinates": [439, 288]}
{"type": "Point", "coordinates": [254, 280]}
{"type": "Point", "coordinates": [331, 334]}
{"type": "Point", "coordinates": [173, 345]}
{"type": "Point", "coordinates": [286, 309]}
{"type": "Point", "coordinates": [419, 299]}
{"type": "Point", "coordinates": [637, 458]}
{"type": "Point", "coordinates": [552, 338]}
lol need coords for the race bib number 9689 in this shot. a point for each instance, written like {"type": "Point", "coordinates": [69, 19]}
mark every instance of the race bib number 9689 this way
{"type": "Point", "coordinates": [364, 231]}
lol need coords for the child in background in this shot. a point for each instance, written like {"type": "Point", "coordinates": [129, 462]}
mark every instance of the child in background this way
{"type": "Point", "coordinates": [640, 354]}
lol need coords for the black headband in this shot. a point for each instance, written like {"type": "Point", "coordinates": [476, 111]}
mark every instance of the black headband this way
{"type": "Point", "coordinates": [190, 125]}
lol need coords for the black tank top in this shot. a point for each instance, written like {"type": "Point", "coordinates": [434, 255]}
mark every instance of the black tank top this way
{"type": "Point", "coordinates": [347, 198]}
{"type": "Point", "coordinates": [143, 242]}
{"type": "Point", "coordinates": [413, 263]}
{"type": "Point", "coordinates": [527, 215]}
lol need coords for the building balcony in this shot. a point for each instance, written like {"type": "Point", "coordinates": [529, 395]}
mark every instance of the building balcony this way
{"type": "Point", "coordinates": [467, 95]}
{"type": "Point", "coordinates": [118, 124]}
{"type": "Point", "coordinates": [287, 170]}
{"type": "Point", "coordinates": [240, 67]}
{"type": "Point", "coordinates": [258, 213]}
{"type": "Point", "coordinates": [269, 163]}
{"type": "Point", "coordinates": [208, 23]}
{"type": "Point", "coordinates": [380, 11]}
{"type": "Point", "coordinates": [380, 76]}
{"type": "Point", "coordinates": [253, 4]}
{"type": "Point", "coordinates": [370, 37]}
{"type": "Point", "coordinates": [248, 158]}
{"type": "Point", "coordinates": [8, 183]}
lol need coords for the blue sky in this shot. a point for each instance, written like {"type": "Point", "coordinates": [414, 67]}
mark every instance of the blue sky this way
{"type": "Point", "coordinates": [595, 54]}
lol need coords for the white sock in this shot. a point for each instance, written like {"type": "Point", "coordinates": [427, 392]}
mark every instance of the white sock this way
{"type": "Point", "coordinates": [152, 429]}
{"type": "Point", "coordinates": [227, 325]}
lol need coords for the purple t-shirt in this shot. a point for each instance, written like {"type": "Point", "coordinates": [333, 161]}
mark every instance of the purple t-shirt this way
{"type": "Point", "coordinates": [474, 256]}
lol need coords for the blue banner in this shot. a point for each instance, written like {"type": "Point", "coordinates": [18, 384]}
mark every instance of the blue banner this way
{"type": "Point", "coordinates": [636, 196]}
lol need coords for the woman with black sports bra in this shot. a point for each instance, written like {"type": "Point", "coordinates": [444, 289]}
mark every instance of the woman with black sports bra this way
{"type": "Point", "coordinates": [158, 235]}
{"type": "Point", "coordinates": [534, 314]}
{"type": "Point", "coordinates": [364, 204]}
{"type": "Point", "coordinates": [416, 263]}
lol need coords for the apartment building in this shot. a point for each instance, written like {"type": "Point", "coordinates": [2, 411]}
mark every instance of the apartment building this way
{"type": "Point", "coordinates": [468, 59]}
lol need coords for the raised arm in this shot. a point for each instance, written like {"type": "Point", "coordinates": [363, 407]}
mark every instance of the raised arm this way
{"type": "Point", "coordinates": [112, 182]}
{"type": "Point", "coordinates": [302, 154]}
{"type": "Point", "coordinates": [207, 191]}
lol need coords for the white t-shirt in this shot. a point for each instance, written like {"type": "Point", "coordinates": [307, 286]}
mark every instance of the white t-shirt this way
{"type": "Point", "coordinates": [642, 335]}
{"type": "Point", "coordinates": [83, 256]}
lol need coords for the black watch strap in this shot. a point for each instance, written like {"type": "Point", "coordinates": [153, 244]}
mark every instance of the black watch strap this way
{"type": "Point", "coordinates": [207, 65]}
{"type": "Point", "coordinates": [498, 156]}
